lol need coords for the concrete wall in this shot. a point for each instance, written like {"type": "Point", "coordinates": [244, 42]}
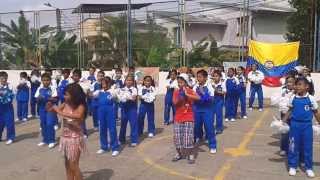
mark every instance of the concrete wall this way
{"type": "Point", "coordinates": [268, 92]}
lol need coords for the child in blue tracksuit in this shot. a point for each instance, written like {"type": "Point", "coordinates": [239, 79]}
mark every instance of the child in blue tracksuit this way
{"type": "Point", "coordinates": [46, 94]}
{"type": "Point", "coordinates": [147, 95]}
{"type": "Point", "coordinates": [92, 79]}
{"type": "Point", "coordinates": [105, 97]}
{"type": "Point", "coordinates": [128, 97]}
{"type": "Point", "coordinates": [218, 101]}
{"type": "Point", "coordinates": [242, 92]}
{"type": "Point", "coordinates": [63, 84]}
{"type": "Point", "coordinates": [255, 77]}
{"type": "Point", "coordinates": [232, 84]}
{"type": "Point", "coordinates": [23, 91]}
{"type": "Point", "coordinates": [171, 84]}
{"type": "Point", "coordinates": [6, 108]}
{"type": "Point", "coordinates": [203, 112]}
{"type": "Point", "coordinates": [302, 108]}
{"type": "Point", "coordinates": [76, 77]}
{"type": "Point", "coordinates": [94, 101]}
{"type": "Point", "coordinates": [118, 83]}
{"type": "Point", "coordinates": [35, 80]}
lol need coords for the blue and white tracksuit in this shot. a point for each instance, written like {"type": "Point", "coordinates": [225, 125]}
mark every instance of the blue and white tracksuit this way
{"type": "Point", "coordinates": [256, 79]}
{"type": "Point", "coordinates": [62, 88]}
{"type": "Point", "coordinates": [92, 79]}
{"type": "Point", "coordinates": [107, 121]}
{"type": "Point", "coordinates": [35, 84]}
{"type": "Point", "coordinates": [218, 104]}
{"type": "Point", "coordinates": [129, 113]}
{"type": "Point", "coordinates": [204, 114]}
{"type": "Point", "coordinates": [171, 85]}
{"type": "Point", "coordinates": [47, 119]}
{"type": "Point", "coordinates": [23, 91]}
{"type": "Point", "coordinates": [301, 133]}
{"type": "Point", "coordinates": [147, 96]}
{"type": "Point", "coordinates": [232, 85]}
{"type": "Point", "coordinates": [6, 111]}
{"type": "Point", "coordinates": [242, 95]}
{"type": "Point", "coordinates": [94, 103]}
{"type": "Point", "coordinates": [118, 83]}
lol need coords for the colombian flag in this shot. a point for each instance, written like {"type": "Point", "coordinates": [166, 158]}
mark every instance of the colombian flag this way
{"type": "Point", "coordinates": [274, 60]}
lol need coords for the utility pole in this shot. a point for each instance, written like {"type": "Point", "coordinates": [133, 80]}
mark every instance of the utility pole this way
{"type": "Point", "coordinates": [0, 42]}
{"type": "Point", "coordinates": [183, 40]}
{"type": "Point", "coordinates": [129, 34]}
{"type": "Point", "coordinates": [58, 16]}
{"type": "Point", "coordinates": [315, 37]}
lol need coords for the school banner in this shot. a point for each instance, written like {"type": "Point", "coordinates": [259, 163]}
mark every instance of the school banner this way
{"type": "Point", "coordinates": [148, 71]}
{"type": "Point", "coordinates": [274, 60]}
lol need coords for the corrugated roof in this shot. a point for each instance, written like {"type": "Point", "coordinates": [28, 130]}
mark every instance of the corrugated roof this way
{"type": "Point", "coordinates": [104, 8]}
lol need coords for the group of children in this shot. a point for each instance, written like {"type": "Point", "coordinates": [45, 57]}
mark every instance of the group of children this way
{"type": "Point", "coordinates": [297, 107]}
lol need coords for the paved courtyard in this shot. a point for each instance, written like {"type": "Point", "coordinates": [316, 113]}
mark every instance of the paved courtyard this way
{"type": "Point", "coordinates": [247, 150]}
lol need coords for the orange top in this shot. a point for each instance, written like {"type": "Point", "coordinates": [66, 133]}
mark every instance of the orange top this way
{"type": "Point", "coordinates": [184, 111]}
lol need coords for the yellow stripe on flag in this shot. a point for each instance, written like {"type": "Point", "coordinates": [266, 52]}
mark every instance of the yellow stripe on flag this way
{"type": "Point", "coordinates": [279, 53]}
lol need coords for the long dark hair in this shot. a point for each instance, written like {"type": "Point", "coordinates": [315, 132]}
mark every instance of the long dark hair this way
{"type": "Point", "coordinates": [152, 81]}
{"type": "Point", "coordinates": [77, 96]}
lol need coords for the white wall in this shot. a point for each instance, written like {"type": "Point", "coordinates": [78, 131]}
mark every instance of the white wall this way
{"type": "Point", "coordinates": [268, 92]}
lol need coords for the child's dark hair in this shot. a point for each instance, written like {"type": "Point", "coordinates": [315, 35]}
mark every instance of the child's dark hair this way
{"type": "Point", "coordinates": [172, 71]}
{"type": "Point", "coordinates": [189, 71]}
{"type": "Point", "coordinates": [77, 96]}
{"type": "Point", "coordinates": [35, 72]}
{"type": "Point", "coordinates": [242, 68]}
{"type": "Point", "coordinates": [4, 74]}
{"type": "Point", "coordinates": [66, 71]}
{"type": "Point", "coordinates": [203, 72]}
{"type": "Point", "coordinates": [118, 70]}
{"type": "Point", "coordinates": [217, 72]}
{"type": "Point", "coordinates": [92, 67]}
{"type": "Point", "coordinates": [181, 78]}
{"type": "Point", "coordinates": [24, 75]}
{"type": "Point", "coordinates": [232, 69]}
{"type": "Point", "coordinates": [292, 73]}
{"type": "Point", "coordinates": [101, 72]}
{"type": "Point", "coordinates": [290, 77]}
{"type": "Point", "coordinates": [152, 81]}
{"type": "Point", "coordinates": [302, 79]}
{"type": "Point", "coordinates": [77, 72]}
{"type": "Point", "coordinates": [46, 75]}
{"type": "Point", "coordinates": [48, 70]}
{"type": "Point", "coordinates": [108, 81]}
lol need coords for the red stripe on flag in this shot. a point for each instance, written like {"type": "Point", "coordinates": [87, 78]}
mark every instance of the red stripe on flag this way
{"type": "Point", "coordinates": [272, 81]}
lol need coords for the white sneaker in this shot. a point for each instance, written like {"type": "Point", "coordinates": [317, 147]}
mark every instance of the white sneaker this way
{"type": "Point", "coordinates": [25, 120]}
{"type": "Point", "coordinates": [51, 145]}
{"type": "Point", "coordinates": [17, 120]}
{"type": "Point", "coordinates": [96, 129]}
{"type": "Point", "coordinates": [213, 151]}
{"type": "Point", "coordinates": [41, 144]}
{"type": "Point", "coordinates": [10, 141]}
{"type": "Point", "coordinates": [134, 144]}
{"type": "Point", "coordinates": [250, 109]}
{"type": "Point", "coordinates": [245, 117]}
{"type": "Point", "coordinates": [30, 116]}
{"type": "Point", "coordinates": [282, 153]}
{"type": "Point", "coordinates": [292, 172]}
{"type": "Point", "coordinates": [115, 153]}
{"type": "Point", "coordinates": [150, 135]}
{"type": "Point", "coordinates": [56, 127]}
{"type": "Point", "coordinates": [85, 136]}
{"type": "Point", "coordinates": [260, 110]}
{"type": "Point", "coordinates": [100, 151]}
{"type": "Point", "coordinates": [233, 120]}
{"type": "Point", "coordinates": [226, 120]}
{"type": "Point", "coordinates": [310, 173]}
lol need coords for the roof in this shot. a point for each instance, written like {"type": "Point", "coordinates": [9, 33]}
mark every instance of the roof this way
{"type": "Point", "coordinates": [104, 8]}
{"type": "Point", "coordinates": [282, 6]}
{"type": "Point", "coordinates": [174, 16]}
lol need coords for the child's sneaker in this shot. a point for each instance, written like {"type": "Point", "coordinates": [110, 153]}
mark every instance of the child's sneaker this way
{"type": "Point", "coordinates": [310, 173]}
{"type": "Point", "coordinates": [226, 120]}
{"type": "Point", "coordinates": [10, 141]}
{"type": "Point", "coordinates": [260, 110]}
{"type": "Point", "coordinates": [245, 117]}
{"type": "Point", "coordinates": [24, 119]}
{"type": "Point", "coordinates": [51, 145]}
{"type": "Point", "coordinates": [250, 109]}
{"type": "Point", "coordinates": [233, 120]}
{"type": "Point", "coordinates": [96, 129]}
{"type": "Point", "coordinates": [282, 153]}
{"type": "Point", "coordinates": [30, 116]}
{"type": "Point", "coordinates": [100, 151]}
{"type": "Point", "coordinates": [56, 127]}
{"type": "Point", "coordinates": [191, 159]}
{"type": "Point", "coordinates": [41, 144]}
{"type": "Point", "coordinates": [292, 171]}
{"type": "Point", "coordinates": [176, 158]}
{"type": "Point", "coordinates": [213, 151]}
{"type": "Point", "coordinates": [85, 136]}
{"type": "Point", "coordinates": [134, 144]}
{"type": "Point", "coordinates": [150, 135]}
{"type": "Point", "coordinates": [115, 153]}
{"type": "Point", "coordinates": [17, 120]}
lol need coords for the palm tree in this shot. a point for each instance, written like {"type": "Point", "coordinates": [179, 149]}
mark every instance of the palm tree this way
{"type": "Point", "coordinates": [20, 42]}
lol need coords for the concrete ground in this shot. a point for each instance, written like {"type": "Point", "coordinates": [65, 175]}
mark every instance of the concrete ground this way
{"type": "Point", "coordinates": [247, 150]}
